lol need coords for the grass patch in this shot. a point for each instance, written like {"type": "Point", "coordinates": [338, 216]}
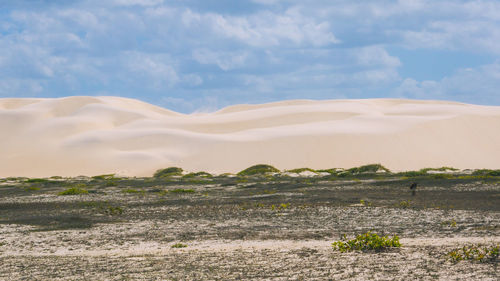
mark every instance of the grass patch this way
{"type": "Point", "coordinates": [182, 190]}
{"type": "Point", "coordinates": [179, 245]}
{"type": "Point", "coordinates": [477, 253]}
{"type": "Point", "coordinates": [260, 169]}
{"type": "Point", "coordinates": [366, 242]}
{"type": "Point", "coordinates": [168, 172]}
{"type": "Point", "coordinates": [301, 170]}
{"type": "Point", "coordinates": [77, 190]}
{"type": "Point", "coordinates": [197, 175]}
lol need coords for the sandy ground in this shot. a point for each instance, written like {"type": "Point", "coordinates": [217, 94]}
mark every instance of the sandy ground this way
{"type": "Point", "coordinates": [96, 135]}
{"type": "Point", "coordinates": [232, 232]}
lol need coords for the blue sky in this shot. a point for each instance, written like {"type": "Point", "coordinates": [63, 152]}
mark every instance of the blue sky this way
{"type": "Point", "coordinates": [201, 55]}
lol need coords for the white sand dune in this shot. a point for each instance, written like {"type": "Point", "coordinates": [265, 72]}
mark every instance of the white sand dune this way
{"type": "Point", "coordinates": [97, 135]}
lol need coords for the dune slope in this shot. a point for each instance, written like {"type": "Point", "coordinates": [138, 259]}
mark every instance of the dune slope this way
{"type": "Point", "coordinates": [97, 135]}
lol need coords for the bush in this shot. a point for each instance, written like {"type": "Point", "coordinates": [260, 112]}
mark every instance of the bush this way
{"type": "Point", "coordinates": [260, 169]}
{"type": "Point", "coordinates": [367, 242]}
{"type": "Point", "coordinates": [74, 190]}
{"type": "Point", "coordinates": [131, 190]}
{"type": "Point", "coordinates": [179, 245]}
{"type": "Point", "coordinates": [168, 172]}
{"type": "Point", "coordinates": [300, 170]}
{"type": "Point", "coordinates": [182, 190]}
{"type": "Point", "coordinates": [475, 253]}
{"type": "Point", "coordinates": [486, 172]}
{"type": "Point", "coordinates": [198, 175]}
{"type": "Point", "coordinates": [368, 169]}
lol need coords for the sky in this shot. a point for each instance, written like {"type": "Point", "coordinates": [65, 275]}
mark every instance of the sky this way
{"type": "Point", "coordinates": [202, 55]}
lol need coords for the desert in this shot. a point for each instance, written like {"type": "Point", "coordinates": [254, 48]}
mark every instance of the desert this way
{"type": "Point", "coordinates": [108, 188]}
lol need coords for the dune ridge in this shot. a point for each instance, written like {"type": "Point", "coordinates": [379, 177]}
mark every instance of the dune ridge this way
{"type": "Point", "coordinates": [97, 135]}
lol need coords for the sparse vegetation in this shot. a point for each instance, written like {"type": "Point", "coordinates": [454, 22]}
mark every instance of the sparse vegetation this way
{"type": "Point", "coordinates": [260, 169]}
{"type": "Point", "coordinates": [168, 172]}
{"type": "Point", "coordinates": [301, 170]}
{"type": "Point", "coordinates": [131, 190]}
{"type": "Point", "coordinates": [367, 169]}
{"type": "Point", "coordinates": [76, 190]}
{"type": "Point", "coordinates": [197, 175]}
{"type": "Point", "coordinates": [179, 245]}
{"type": "Point", "coordinates": [366, 242]}
{"type": "Point", "coordinates": [478, 253]}
{"type": "Point", "coordinates": [182, 190]}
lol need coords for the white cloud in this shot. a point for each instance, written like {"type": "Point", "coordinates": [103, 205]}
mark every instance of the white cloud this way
{"type": "Point", "coordinates": [375, 56]}
{"type": "Point", "coordinates": [138, 2]}
{"type": "Point", "coordinates": [225, 60]}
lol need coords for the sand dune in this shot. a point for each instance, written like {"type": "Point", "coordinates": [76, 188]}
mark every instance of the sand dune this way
{"type": "Point", "coordinates": [97, 135]}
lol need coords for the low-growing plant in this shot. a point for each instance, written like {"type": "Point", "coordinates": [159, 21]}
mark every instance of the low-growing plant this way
{"type": "Point", "coordinates": [451, 223]}
{"type": "Point", "coordinates": [197, 175]}
{"type": "Point", "coordinates": [371, 168]}
{"type": "Point", "coordinates": [280, 207]}
{"type": "Point", "coordinates": [182, 190]}
{"type": "Point", "coordinates": [168, 172]}
{"type": "Point", "coordinates": [131, 190]}
{"type": "Point", "coordinates": [76, 190]}
{"type": "Point", "coordinates": [260, 169]}
{"type": "Point", "coordinates": [301, 170]}
{"type": "Point", "coordinates": [179, 245]}
{"type": "Point", "coordinates": [366, 242]}
{"type": "Point", "coordinates": [404, 204]}
{"type": "Point", "coordinates": [104, 177]}
{"type": "Point", "coordinates": [477, 253]}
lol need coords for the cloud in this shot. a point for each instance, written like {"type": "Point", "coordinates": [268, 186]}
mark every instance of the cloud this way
{"type": "Point", "coordinates": [176, 52]}
{"type": "Point", "coordinates": [225, 60]}
{"type": "Point", "coordinates": [472, 85]}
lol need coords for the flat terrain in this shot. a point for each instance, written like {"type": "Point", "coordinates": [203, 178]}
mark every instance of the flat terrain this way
{"type": "Point", "coordinates": [234, 227]}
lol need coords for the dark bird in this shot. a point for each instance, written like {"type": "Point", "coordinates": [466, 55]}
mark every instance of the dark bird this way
{"type": "Point", "coordinates": [413, 188]}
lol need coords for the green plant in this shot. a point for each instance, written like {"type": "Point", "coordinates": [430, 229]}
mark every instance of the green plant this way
{"type": "Point", "coordinates": [371, 168]}
{"type": "Point", "coordinates": [168, 172]}
{"type": "Point", "coordinates": [131, 190]}
{"type": "Point", "coordinates": [260, 169]}
{"type": "Point", "coordinates": [280, 207]}
{"type": "Point", "coordinates": [179, 245]}
{"type": "Point", "coordinates": [197, 175]}
{"type": "Point", "coordinates": [182, 190]}
{"type": "Point", "coordinates": [486, 172]}
{"type": "Point", "coordinates": [366, 242]}
{"type": "Point", "coordinates": [405, 204]}
{"type": "Point", "coordinates": [451, 223]}
{"type": "Point", "coordinates": [76, 190]}
{"type": "Point", "coordinates": [475, 253]}
{"type": "Point", "coordinates": [300, 170]}
{"type": "Point", "coordinates": [104, 177]}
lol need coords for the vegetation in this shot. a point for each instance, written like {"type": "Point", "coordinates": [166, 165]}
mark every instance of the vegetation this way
{"type": "Point", "coordinates": [486, 172]}
{"type": "Point", "coordinates": [301, 170]}
{"type": "Point", "coordinates": [179, 245]}
{"type": "Point", "coordinates": [366, 242]}
{"type": "Point", "coordinates": [168, 172]}
{"type": "Point", "coordinates": [131, 190]}
{"type": "Point", "coordinates": [260, 169]}
{"type": "Point", "coordinates": [477, 253]}
{"type": "Point", "coordinates": [182, 190]}
{"type": "Point", "coordinates": [368, 169]}
{"type": "Point", "coordinates": [197, 175]}
{"type": "Point", "coordinates": [77, 190]}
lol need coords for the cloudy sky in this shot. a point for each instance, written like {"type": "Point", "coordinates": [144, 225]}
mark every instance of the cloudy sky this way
{"type": "Point", "coordinates": [201, 55]}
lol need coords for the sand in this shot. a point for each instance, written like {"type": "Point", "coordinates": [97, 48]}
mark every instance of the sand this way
{"type": "Point", "coordinates": [99, 135]}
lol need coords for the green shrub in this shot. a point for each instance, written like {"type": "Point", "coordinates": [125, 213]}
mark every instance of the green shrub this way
{"type": "Point", "coordinates": [179, 245]}
{"type": "Point", "coordinates": [182, 190]}
{"type": "Point", "coordinates": [78, 189]}
{"type": "Point", "coordinates": [197, 175]}
{"type": "Point", "coordinates": [475, 253]}
{"type": "Point", "coordinates": [300, 170]}
{"type": "Point", "coordinates": [37, 180]}
{"type": "Point", "coordinates": [104, 177]}
{"type": "Point", "coordinates": [260, 169]}
{"type": "Point", "coordinates": [371, 168]}
{"type": "Point", "coordinates": [168, 172]}
{"type": "Point", "coordinates": [486, 172]}
{"type": "Point", "coordinates": [366, 242]}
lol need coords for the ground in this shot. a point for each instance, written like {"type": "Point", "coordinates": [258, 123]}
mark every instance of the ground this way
{"type": "Point", "coordinates": [259, 227]}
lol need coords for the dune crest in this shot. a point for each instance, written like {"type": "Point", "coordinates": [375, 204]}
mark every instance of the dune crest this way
{"type": "Point", "coordinates": [98, 135]}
